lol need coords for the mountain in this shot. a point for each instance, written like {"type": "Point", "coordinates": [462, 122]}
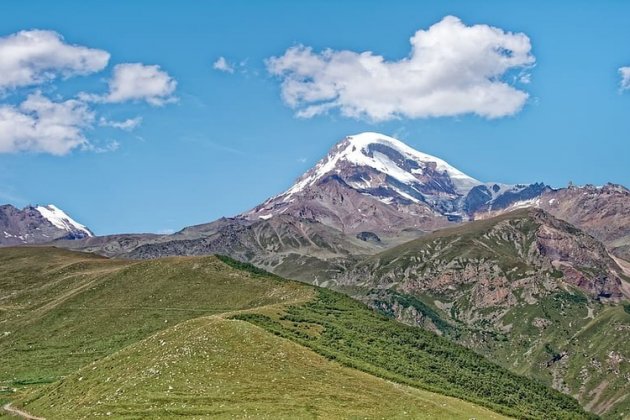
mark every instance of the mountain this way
{"type": "Point", "coordinates": [84, 336]}
{"type": "Point", "coordinates": [38, 224]}
{"type": "Point", "coordinates": [603, 212]}
{"type": "Point", "coordinates": [371, 192]}
{"type": "Point", "coordinates": [371, 182]}
{"type": "Point", "coordinates": [526, 289]}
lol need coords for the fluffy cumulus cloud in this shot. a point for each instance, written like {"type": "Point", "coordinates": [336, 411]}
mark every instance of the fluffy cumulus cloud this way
{"type": "Point", "coordinates": [223, 65]}
{"type": "Point", "coordinates": [39, 124]}
{"type": "Point", "coordinates": [137, 82]}
{"type": "Point", "coordinates": [625, 78]}
{"type": "Point", "coordinates": [453, 69]}
{"type": "Point", "coordinates": [33, 57]}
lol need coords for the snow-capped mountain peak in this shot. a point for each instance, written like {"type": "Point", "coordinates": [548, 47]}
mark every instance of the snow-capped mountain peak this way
{"type": "Point", "coordinates": [376, 183]}
{"type": "Point", "coordinates": [386, 155]}
{"type": "Point", "coordinates": [38, 225]}
{"type": "Point", "coordinates": [61, 220]}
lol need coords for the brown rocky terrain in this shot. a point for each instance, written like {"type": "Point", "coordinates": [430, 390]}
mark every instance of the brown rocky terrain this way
{"type": "Point", "coordinates": [603, 212]}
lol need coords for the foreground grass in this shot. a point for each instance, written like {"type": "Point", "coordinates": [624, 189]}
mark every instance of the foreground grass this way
{"type": "Point", "coordinates": [347, 331]}
{"type": "Point", "coordinates": [213, 367]}
{"type": "Point", "coordinates": [62, 310]}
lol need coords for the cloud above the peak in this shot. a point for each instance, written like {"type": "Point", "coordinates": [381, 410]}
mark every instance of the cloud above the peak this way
{"type": "Point", "coordinates": [39, 124]}
{"type": "Point", "coordinates": [624, 72]}
{"type": "Point", "coordinates": [33, 57]}
{"type": "Point", "coordinates": [137, 82]}
{"type": "Point", "coordinates": [222, 64]}
{"type": "Point", "coordinates": [452, 69]}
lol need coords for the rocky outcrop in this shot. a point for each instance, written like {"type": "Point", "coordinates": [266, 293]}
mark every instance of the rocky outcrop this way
{"type": "Point", "coordinates": [603, 212]}
{"type": "Point", "coordinates": [486, 267]}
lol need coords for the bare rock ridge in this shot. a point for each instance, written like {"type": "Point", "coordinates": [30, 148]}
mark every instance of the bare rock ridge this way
{"type": "Point", "coordinates": [38, 224]}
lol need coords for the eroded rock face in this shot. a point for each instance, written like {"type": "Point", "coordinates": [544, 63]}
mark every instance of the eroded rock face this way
{"type": "Point", "coordinates": [489, 266]}
{"type": "Point", "coordinates": [528, 290]}
{"type": "Point", "coordinates": [603, 212]}
{"type": "Point", "coordinates": [583, 260]}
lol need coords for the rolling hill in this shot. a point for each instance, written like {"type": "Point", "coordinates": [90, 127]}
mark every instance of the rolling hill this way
{"type": "Point", "coordinates": [85, 336]}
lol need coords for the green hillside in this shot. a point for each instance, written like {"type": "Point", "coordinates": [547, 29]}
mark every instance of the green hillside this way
{"type": "Point", "coordinates": [226, 368]}
{"type": "Point", "coordinates": [61, 310]}
{"type": "Point", "coordinates": [86, 336]}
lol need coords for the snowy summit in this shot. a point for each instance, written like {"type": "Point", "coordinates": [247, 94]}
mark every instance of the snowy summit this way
{"type": "Point", "coordinates": [61, 220]}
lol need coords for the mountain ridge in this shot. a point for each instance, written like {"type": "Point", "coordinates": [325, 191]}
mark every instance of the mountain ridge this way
{"type": "Point", "coordinates": [353, 202]}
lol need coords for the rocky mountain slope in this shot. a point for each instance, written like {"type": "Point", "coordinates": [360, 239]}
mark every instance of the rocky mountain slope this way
{"type": "Point", "coordinates": [38, 224]}
{"type": "Point", "coordinates": [524, 288]}
{"type": "Point", "coordinates": [603, 212]}
{"type": "Point", "coordinates": [296, 248]}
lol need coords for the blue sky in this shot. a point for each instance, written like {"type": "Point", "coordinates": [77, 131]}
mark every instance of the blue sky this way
{"type": "Point", "coordinates": [210, 143]}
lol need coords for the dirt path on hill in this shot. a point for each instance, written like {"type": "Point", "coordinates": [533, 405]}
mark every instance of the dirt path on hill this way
{"type": "Point", "coordinates": [17, 412]}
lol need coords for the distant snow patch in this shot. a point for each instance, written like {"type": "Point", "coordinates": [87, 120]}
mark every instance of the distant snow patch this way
{"type": "Point", "coordinates": [533, 202]}
{"type": "Point", "coordinates": [61, 220]}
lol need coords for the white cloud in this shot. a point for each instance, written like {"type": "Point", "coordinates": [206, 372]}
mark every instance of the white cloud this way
{"type": "Point", "coordinates": [137, 82]}
{"type": "Point", "coordinates": [112, 146]}
{"type": "Point", "coordinates": [41, 125]}
{"type": "Point", "coordinates": [32, 57]}
{"type": "Point", "coordinates": [127, 125]}
{"type": "Point", "coordinates": [223, 65]}
{"type": "Point", "coordinates": [625, 78]}
{"type": "Point", "coordinates": [453, 69]}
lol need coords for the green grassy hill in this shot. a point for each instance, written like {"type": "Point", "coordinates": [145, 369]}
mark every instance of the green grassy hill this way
{"type": "Point", "coordinates": [84, 336]}
{"type": "Point", "coordinates": [61, 310]}
{"type": "Point", "coordinates": [211, 366]}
